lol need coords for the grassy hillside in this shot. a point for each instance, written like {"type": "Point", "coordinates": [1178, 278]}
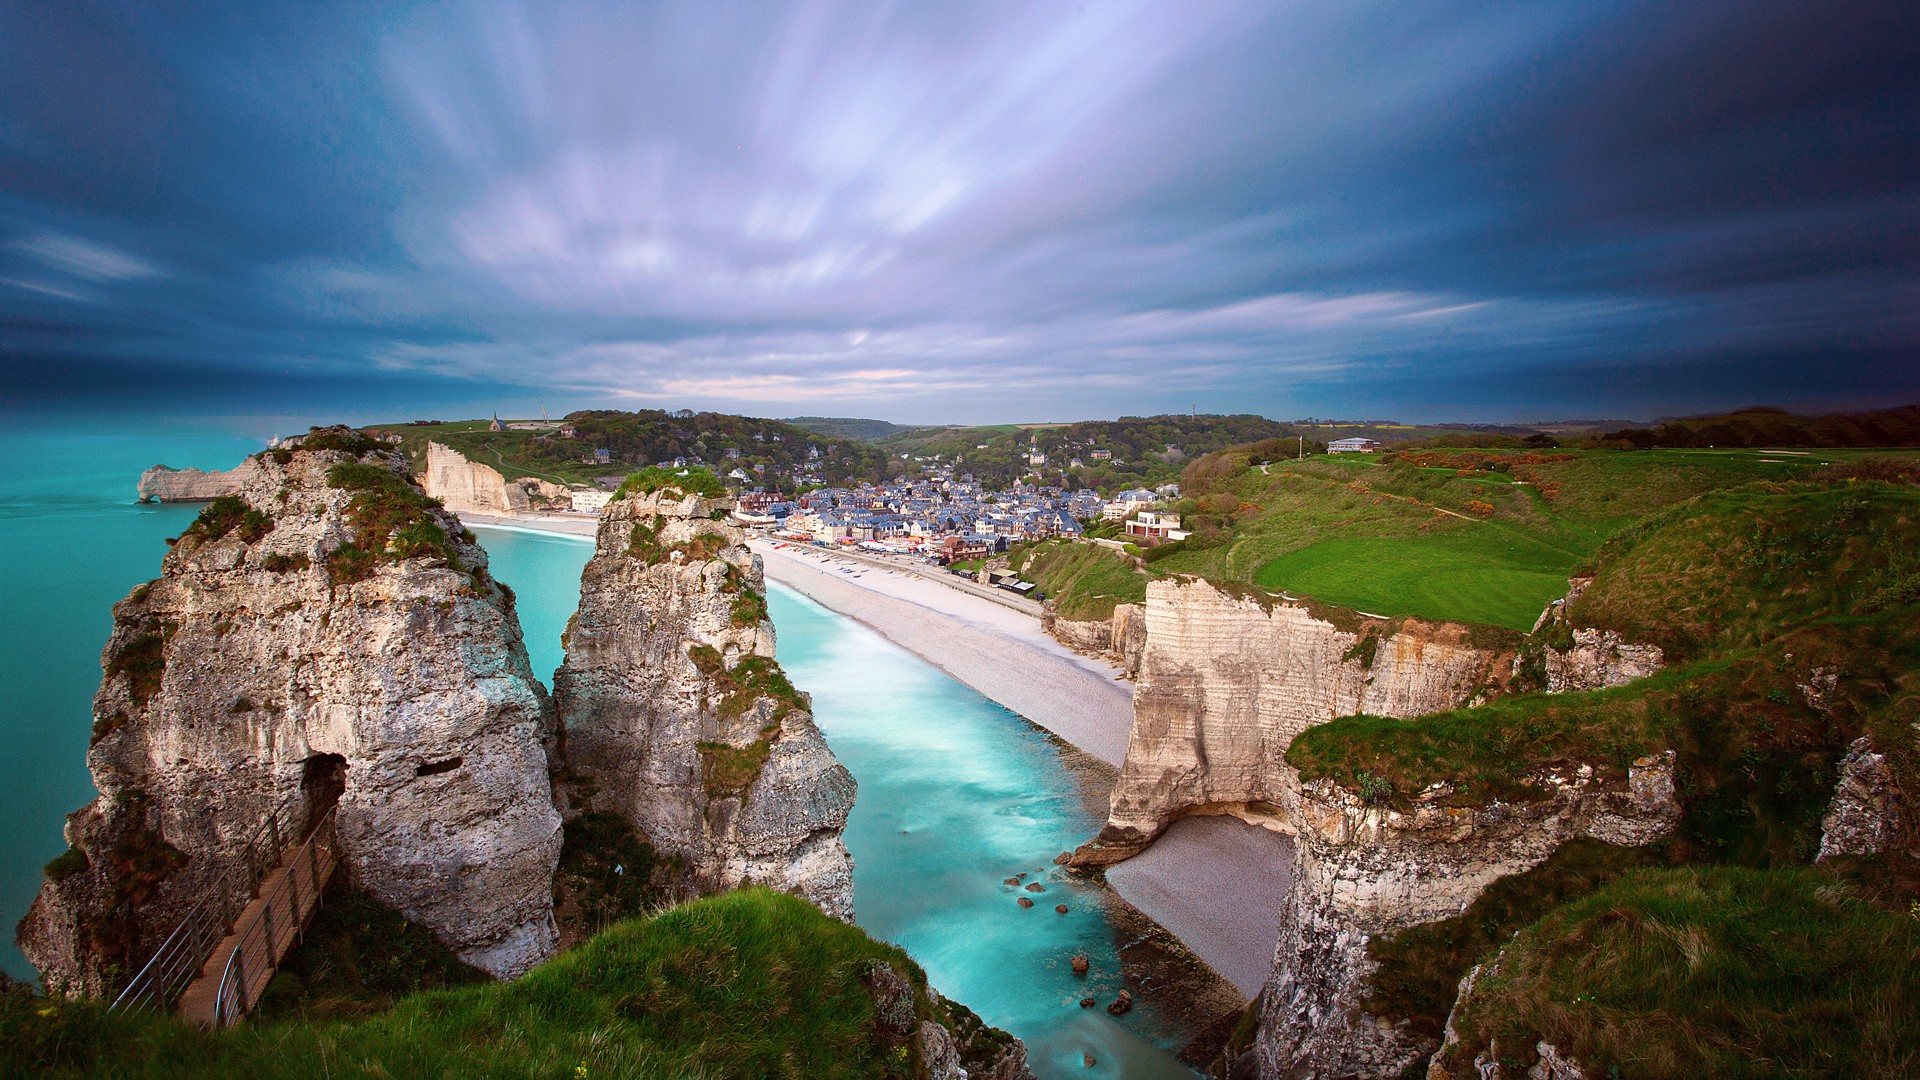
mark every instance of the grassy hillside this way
{"type": "Point", "coordinates": [1145, 450]}
{"type": "Point", "coordinates": [1090, 581]}
{"type": "Point", "coordinates": [749, 984]}
{"type": "Point", "coordinates": [1736, 568]}
{"type": "Point", "coordinates": [1479, 536]}
{"type": "Point", "coordinates": [1792, 607]}
{"type": "Point", "coordinates": [1777, 427]}
{"type": "Point", "coordinates": [641, 438]}
{"type": "Point", "coordinates": [846, 427]}
{"type": "Point", "coordinates": [1712, 971]}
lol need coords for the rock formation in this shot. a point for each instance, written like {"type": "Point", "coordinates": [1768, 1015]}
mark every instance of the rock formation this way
{"type": "Point", "coordinates": [1363, 870]}
{"type": "Point", "coordinates": [1869, 814]}
{"type": "Point", "coordinates": [1226, 681]}
{"type": "Point", "coordinates": [676, 715]}
{"type": "Point", "coordinates": [328, 634]}
{"type": "Point", "coordinates": [1589, 657]}
{"type": "Point", "coordinates": [1121, 637]}
{"type": "Point", "coordinates": [166, 484]}
{"type": "Point", "coordinates": [469, 487]}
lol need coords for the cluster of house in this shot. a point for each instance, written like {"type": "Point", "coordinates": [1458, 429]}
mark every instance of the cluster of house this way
{"type": "Point", "coordinates": [946, 518]}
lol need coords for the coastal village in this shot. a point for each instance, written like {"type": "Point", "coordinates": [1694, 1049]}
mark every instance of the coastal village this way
{"type": "Point", "coordinates": [938, 510]}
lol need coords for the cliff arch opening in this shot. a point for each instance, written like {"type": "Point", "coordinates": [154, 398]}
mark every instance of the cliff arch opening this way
{"type": "Point", "coordinates": [323, 779]}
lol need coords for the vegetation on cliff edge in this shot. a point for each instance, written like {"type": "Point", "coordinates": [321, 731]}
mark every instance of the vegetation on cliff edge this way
{"type": "Point", "coordinates": [1706, 971]}
{"type": "Point", "coordinates": [752, 983]}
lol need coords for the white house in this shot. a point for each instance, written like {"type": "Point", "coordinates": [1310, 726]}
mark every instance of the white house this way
{"type": "Point", "coordinates": [1352, 446]}
{"type": "Point", "coordinates": [591, 502]}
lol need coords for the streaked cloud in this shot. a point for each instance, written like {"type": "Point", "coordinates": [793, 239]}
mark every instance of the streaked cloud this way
{"type": "Point", "coordinates": [978, 209]}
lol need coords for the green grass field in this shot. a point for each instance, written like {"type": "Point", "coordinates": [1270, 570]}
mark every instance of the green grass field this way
{"type": "Point", "coordinates": [1478, 545]}
{"type": "Point", "coordinates": [1483, 576]}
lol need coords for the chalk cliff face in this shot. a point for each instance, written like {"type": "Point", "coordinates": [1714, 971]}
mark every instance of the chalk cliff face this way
{"type": "Point", "coordinates": [466, 486]}
{"type": "Point", "coordinates": [1121, 638]}
{"type": "Point", "coordinates": [165, 484]}
{"type": "Point", "coordinates": [313, 642]}
{"type": "Point", "coordinates": [1363, 870]}
{"type": "Point", "coordinates": [676, 715]}
{"type": "Point", "coordinates": [1225, 682]}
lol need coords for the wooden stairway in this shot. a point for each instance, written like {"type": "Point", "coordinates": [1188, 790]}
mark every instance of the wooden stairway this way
{"type": "Point", "coordinates": [234, 976]}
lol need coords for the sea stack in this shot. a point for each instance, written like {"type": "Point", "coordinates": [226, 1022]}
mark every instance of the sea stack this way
{"type": "Point", "coordinates": [675, 714]}
{"type": "Point", "coordinates": [325, 637]}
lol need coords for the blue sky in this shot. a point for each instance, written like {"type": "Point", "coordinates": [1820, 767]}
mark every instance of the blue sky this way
{"type": "Point", "coordinates": [961, 211]}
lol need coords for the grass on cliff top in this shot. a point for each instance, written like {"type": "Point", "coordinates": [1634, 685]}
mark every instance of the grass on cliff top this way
{"type": "Point", "coordinates": [749, 984]}
{"type": "Point", "coordinates": [692, 480]}
{"type": "Point", "coordinates": [1707, 971]}
{"type": "Point", "coordinates": [1755, 734]}
{"type": "Point", "coordinates": [1737, 568]}
{"type": "Point", "coordinates": [1468, 536]}
{"type": "Point", "coordinates": [392, 521]}
{"type": "Point", "coordinates": [1087, 581]}
{"type": "Point", "coordinates": [1485, 576]}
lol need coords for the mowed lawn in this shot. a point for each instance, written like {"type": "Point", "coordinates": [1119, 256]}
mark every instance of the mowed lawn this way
{"type": "Point", "coordinates": [1485, 576]}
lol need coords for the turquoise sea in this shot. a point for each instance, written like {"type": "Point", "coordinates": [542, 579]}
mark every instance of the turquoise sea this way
{"type": "Point", "coordinates": [956, 793]}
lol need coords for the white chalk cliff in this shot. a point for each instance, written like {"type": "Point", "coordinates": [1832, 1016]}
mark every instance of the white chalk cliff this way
{"type": "Point", "coordinates": [296, 649]}
{"type": "Point", "coordinates": [678, 717]}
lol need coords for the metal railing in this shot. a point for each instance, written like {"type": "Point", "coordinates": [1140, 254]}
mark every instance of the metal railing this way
{"type": "Point", "coordinates": [277, 924]}
{"type": "Point", "coordinates": [177, 962]}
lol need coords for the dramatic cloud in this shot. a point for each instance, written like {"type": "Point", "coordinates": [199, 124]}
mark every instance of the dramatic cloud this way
{"type": "Point", "coordinates": [973, 210]}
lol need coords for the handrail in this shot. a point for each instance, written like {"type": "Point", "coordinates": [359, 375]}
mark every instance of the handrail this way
{"type": "Point", "coordinates": [257, 945]}
{"type": "Point", "coordinates": [174, 964]}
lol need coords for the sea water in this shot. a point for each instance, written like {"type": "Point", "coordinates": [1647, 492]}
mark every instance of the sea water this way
{"type": "Point", "coordinates": [73, 540]}
{"type": "Point", "coordinates": [956, 793]}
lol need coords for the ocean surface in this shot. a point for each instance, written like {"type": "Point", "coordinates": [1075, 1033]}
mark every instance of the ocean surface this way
{"type": "Point", "coordinates": [956, 793]}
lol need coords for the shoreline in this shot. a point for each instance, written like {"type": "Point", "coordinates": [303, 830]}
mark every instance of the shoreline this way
{"type": "Point", "coordinates": [1215, 884]}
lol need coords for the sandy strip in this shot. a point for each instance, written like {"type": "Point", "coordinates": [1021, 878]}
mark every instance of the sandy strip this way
{"type": "Point", "coordinates": [1217, 884]}
{"type": "Point", "coordinates": [998, 651]}
{"type": "Point", "coordinates": [569, 525]}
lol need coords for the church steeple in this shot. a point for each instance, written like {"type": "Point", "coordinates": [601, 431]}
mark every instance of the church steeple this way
{"type": "Point", "coordinates": [496, 425]}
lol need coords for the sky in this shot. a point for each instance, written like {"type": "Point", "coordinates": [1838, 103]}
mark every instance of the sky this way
{"type": "Point", "coordinates": [960, 211]}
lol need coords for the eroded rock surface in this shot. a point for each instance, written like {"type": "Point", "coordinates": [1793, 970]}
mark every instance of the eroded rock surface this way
{"type": "Point", "coordinates": [1363, 870]}
{"type": "Point", "coordinates": [163, 483]}
{"type": "Point", "coordinates": [677, 716]}
{"type": "Point", "coordinates": [326, 644]}
{"type": "Point", "coordinates": [1868, 815]}
{"type": "Point", "coordinates": [1121, 638]}
{"type": "Point", "coordinates": [1226, 682]}
{"type": "Point", "coordinates": [466, 486]}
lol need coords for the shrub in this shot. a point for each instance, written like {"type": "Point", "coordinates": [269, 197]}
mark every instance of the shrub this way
{"type": "Point", "coordinates": [357, 958]}
{"type": "Point", "coordinates": [606, 870]}
{"type": "Point", "coordinates": [225, 514]}
{"type": "Point", "coordinates": [690, 481]}
{"type": "Point", "coordinates": [285, 564]}
{"type": "Point", "coordinates": [749, 607]}
{"type": "Point", "coordinates": [392, 520]}
{"type": "Point", "coordinates": [143, 660]}
{"type": "Point", "coordinates": [342, 439]}
{"type": "Point", "coordinates": [66, 864]}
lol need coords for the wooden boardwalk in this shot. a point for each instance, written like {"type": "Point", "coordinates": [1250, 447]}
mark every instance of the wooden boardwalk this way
{"type": "Point", "coordinates": [267, 929]}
